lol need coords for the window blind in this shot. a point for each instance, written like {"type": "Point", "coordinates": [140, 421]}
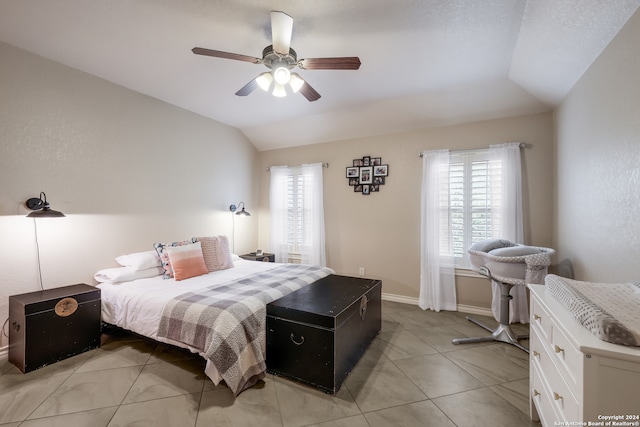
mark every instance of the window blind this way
{"type": "Point", "coordinates": [470, 178]}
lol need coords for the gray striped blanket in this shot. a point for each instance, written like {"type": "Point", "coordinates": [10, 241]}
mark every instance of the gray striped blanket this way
{"type": "Point", "coordinates": [228, 322]}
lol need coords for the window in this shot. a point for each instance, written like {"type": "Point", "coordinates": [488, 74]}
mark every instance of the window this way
{"type": "Point", "coordinates": [297, 214]}
{"type": "Point", "coordinates": [296, 211]}
{"type": "Point", "coordinates": [469, 202]}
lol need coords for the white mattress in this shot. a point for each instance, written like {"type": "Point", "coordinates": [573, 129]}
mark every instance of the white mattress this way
{"type": "Point", "coordinates": [137, 305]}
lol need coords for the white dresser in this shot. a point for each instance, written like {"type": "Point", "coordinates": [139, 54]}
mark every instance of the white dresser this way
{"type": "Point", "coordinates": [574, 376]}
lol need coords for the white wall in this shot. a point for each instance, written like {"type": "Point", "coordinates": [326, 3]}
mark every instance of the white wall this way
{"type": "Point", "coordinates": [128, 170]}
{"type": "Point", "coordinates": [597, 221]}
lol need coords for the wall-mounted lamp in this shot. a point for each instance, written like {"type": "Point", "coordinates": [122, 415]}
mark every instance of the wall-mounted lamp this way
{"type": "Point", "coordinates": [233, 208]}
{"type": "Point", "coordinates": [40, 208]}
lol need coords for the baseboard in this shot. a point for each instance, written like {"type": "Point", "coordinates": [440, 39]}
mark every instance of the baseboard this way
{"type": "Point", "coordinates": [478, 311]}
{"type": "Point", "coordinates": [400, 298]}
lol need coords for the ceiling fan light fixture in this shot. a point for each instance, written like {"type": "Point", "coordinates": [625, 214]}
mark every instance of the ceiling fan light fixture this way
{"type": "Point", "coordinates": [281, 75]}
{"type": "Point", "coordinates": [264, 80]}
{"type": "Point", "coordinates": [280, 58]}
{"type": "Point", "coordinates": [296, 82]}
{"type": "Point", "coordinates": [279, 90]}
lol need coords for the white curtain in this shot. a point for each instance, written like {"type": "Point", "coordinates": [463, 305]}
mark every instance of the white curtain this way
{"type": "Point", "coordinates": [506, 214]}
{"type": "Point", "coordinates": [304, 184]}
{"type": "Point", "coordinates": [312, 249]}
{"type": "Point", "coordinates": [437, 280]}
{"type": "Point", "coordinates": [278, 200]}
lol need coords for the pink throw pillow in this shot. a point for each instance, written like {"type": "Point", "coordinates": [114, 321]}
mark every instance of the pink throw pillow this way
{"type": "Point", "coordinates": [187, 261]}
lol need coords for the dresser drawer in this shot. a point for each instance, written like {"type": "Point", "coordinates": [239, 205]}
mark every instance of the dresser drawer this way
{"type": "Point", "coordinates": [566, 356]}
{"type": "Point", "coordinates": [541, 319]}
{"type": "Point", "coordinates": [541, 398]}
{"type": "Point", "coordinates": [559, 393]}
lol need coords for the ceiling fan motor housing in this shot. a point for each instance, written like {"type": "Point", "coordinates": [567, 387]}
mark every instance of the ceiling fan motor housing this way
{"type": "Point", "coordinates": [272, 59]}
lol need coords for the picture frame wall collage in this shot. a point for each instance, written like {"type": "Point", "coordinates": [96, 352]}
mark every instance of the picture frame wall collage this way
{"type": "Point", "coordinates": [367, 174]}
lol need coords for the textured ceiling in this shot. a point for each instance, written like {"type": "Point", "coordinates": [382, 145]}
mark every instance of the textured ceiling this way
{"type": "Point", "coordinates": [424, 62]}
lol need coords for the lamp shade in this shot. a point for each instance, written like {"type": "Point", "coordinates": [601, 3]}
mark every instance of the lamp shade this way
{"type": "Point", "coordinates": [281, 75]}
{"type": "Point", "coordinates": [296, 82]}
{"type": "Point", "coordinates": [264, 81]}
{"type": "Point", "coordinates": [234, 208]}
{"type": "Point", "coordinates": [40, 208]}
{"type": "Point", "coordinates": [243, 212]}
{"type": "Point", "coordinates": [279, 90]}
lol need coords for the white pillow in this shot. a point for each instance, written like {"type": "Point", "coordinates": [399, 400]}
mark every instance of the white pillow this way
{"type": "Point", "coordinates": [140, 260]}
{"type": "Point", "coordinates": [126, 274]}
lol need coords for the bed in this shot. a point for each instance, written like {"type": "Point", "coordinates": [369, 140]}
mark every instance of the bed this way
{"type": "Point", "coordinates": [220, 315]}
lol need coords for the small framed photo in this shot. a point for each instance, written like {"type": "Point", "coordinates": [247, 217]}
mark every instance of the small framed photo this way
{"type": "Point", "coordinates": [357, 162]}
{"type": "Point", "coordinates": [366, 161]}
{"type": "Point", "coordinates": [376, 161]}
{"type": "Point", "coordinates": [354, 181]}
{"type": "Point", "coordinates": [366, 175]}
{"type": "Point", "coordinates": [374, 187]}
{"type": "Point", "coordinates": [357, 188]}
{"type": "Point", "coordinates": [353, 172]}
{"type": "Point", "coordinates": [378, 180]}
{"type": "Point", "coordinates": [381, 170]}
{"type": "Point", "coordinates": [366, 189]}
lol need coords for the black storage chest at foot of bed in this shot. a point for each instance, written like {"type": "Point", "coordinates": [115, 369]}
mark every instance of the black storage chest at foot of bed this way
{"type": "Point", "coordinates": [52, 325]}
{"type": "Point", "coordinates": [317, 334]}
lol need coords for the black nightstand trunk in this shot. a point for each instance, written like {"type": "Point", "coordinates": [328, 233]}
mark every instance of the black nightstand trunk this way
{"type": "Point", "coordinates": [51, 325]}
{"type": "Point", "coordinates": [264, 257]}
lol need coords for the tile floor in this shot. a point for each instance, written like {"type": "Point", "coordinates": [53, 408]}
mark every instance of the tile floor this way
{"type": "Point", "coordinates": [410, 376]}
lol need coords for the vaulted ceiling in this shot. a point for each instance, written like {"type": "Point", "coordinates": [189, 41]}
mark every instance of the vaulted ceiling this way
{"type": "Point", "coordinates": [424, 62]}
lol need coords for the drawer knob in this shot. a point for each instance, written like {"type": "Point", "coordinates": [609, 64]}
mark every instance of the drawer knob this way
{"type": "Point", "coordinates": [535, 392]}
{"type": "Point", "coordinates": [558, 349]}
{"type": "Point", "coordinates": [536, 317]}
{"type": "Point", "coordinates": [556, 396]}
{"type": "Point", "coordinates": [536, 354]}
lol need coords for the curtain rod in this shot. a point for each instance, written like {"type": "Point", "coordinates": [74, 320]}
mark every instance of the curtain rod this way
{"type": "Point", "coordinates": [324, 165]}
{"type": "Point", "coordinates": [474, 150]}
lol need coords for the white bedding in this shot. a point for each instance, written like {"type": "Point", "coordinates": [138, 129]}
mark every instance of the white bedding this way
{"type": "Point", "coordinates": [137, 305]}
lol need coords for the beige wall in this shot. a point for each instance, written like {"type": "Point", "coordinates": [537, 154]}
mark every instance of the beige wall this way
{"type": "Point", "coordinates": [380, 232]}
{"type": "Point", "coordinates": [128, 170]}
{"type": "Point", "coordinates": [597, 224]}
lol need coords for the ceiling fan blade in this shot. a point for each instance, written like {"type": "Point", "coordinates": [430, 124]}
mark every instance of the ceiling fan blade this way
{"type": "Point", "coordinates": [342, 63]}
{"type": "Point", "coordinates": [226, 55]}
{"type": "Point", "coordinates": [308, 92]}
{"type": "Point", "coordinates": [248, 88]}
{"type": "Point", "coordinates": [281, 29]}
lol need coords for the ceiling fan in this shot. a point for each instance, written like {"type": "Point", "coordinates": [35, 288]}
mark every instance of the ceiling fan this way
{"type": "Point", "coordinates": [281, 59]}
